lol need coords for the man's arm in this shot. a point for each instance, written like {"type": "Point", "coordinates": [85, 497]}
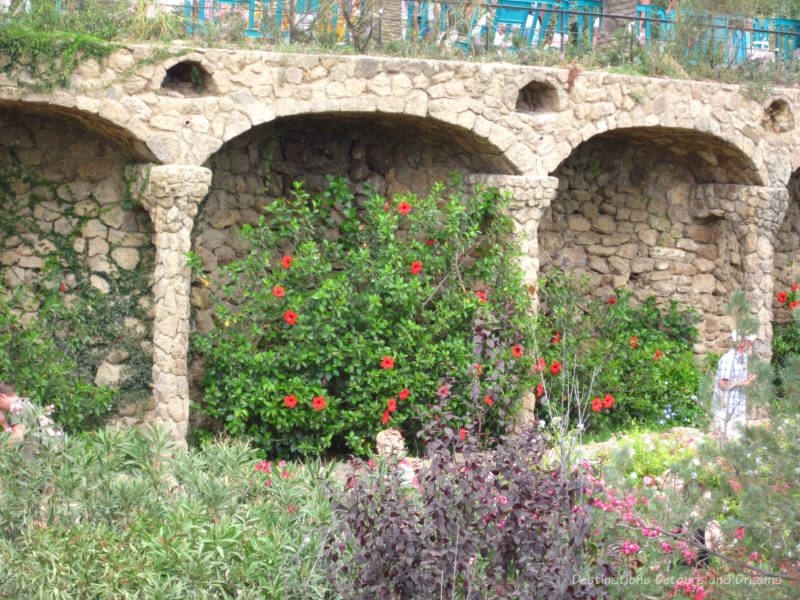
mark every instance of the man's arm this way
{"type": "Point", "coordinates": [727, 384]}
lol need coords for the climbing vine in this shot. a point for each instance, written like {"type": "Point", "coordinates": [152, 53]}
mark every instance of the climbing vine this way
{"type": "Point", "coordinates": [55, 318]}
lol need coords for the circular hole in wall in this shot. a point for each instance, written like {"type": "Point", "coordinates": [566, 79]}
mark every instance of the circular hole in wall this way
{"type": "Point", "coordinates": [778, 117]}
{"type": "Point", "coordinates": [188, 78]}
{"type": "Point", "coordinates": [537, 96]}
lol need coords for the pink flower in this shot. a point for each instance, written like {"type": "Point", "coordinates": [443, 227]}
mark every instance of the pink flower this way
{"type": "Point", "coordinates": [629, 548]}
{"type": "Point", "coordinates": [285, 474]}
{"type": "Point", "coordinates": [739, 533]}
{"type": "Point", "coordinates": [735, 485]}
{"type": "Point", "coordinates": [282, 464]}
{"type": "Point", "coordinates": [268, 483]}
{"type": "Point", "coordinates": [291, 508]}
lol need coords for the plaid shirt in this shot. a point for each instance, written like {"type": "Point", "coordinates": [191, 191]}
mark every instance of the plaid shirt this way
{"type": "Point", "coordinates": [733, 367]}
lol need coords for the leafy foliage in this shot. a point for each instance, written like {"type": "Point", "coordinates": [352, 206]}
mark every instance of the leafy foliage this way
{"type": "Point", "coordinates": [640, 356]}
{"type": "Point", "coordinates": [53, 336]}
{"type": "Point", "coordinates": [343, 309]}
{"type": "Point", "coordinates": [126, 514]}
{"type": "Point", "coordinates": [474, 525]}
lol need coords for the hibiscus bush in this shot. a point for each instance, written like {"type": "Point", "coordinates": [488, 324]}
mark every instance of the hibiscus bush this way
{"type": "Point", "coordinates": [350, 312]}
{"type": "Point", "coordinates": [617, 364]}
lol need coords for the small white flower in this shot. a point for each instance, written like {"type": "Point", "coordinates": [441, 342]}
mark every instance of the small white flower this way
{"type": "Point", "coordinates": [580, 427]}
{"type": "Point", "coordinates": [634, 475]}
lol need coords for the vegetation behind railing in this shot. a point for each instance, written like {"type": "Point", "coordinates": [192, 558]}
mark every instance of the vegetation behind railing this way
{"type": "Point", "coordinates": [696, 44]}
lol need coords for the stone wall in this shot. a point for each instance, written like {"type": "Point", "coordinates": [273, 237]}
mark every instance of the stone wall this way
{"type": "Point", "coordinates": [66, 187]}
{"type": "Point", "coordinates": [624, 217]}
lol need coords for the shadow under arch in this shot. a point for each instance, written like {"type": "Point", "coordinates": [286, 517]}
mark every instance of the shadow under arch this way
{"type": "Point", "coordinates": [709, 158]}
{"type": "Point", "coordinates": [454, 144]}
{"type": "Point", "coordinates": [134, 149]}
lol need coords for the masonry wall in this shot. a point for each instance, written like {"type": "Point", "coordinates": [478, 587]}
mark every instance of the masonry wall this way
{"type": "Point", "coordinates": [64, 198]}
{"type": "Point", "coordinates": [624, 218]}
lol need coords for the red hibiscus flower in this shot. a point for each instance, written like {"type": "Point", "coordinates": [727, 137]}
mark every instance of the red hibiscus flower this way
{"type": "Point", "coordinates": [516, 351]}
{"type": "Point", "coordinates": [278, 291]}
{"type": "Point", "coordinates": [477, 370]}
{"type": "Point", "coordinates": [558, 337]}
{"type": "Point", "coordinates": [540, 389]}
{"type": "Point", "coordinates": [443, 389]}
{"type": "Point", "coordinates": [290, 317]}
{"type": "Point", "coordinates": [481, 296]}
{"type": "Point", "coordinates": [286, 261]}
{"type": "Point", "coordinates": [430, 242]}
{"type": "Point", "coordinates": [597, 405]}
{"type": "Point", "coordinates": [403, 394]}
{"type": "Point", "coordinates": [404, 208]}
{"type": "Point", "coordinates": [795, 286]}
{"type": "Point", "coordinates": [657, 355]}
{"type": "Point", "coordinates": [62, 288]}
{"type": "Point", "coordinates": [782, 297]}
{"type": "Point", "coordinates": [386, 208]}
{"type": "Point", "coordinates": [462, 433]}
{"type": "Point", "coordinates": [634, 342]}
{"type": "Point", "coordinates": [488, 400]}
{"type": "Point", "coordinates": [386, 417]}
{"type": "Point", "coordinates": [290, 401]}
{"type": "Point", "coordinates": [416, 267]}
{"type": "Point", "coordinates": [555, 367]}
{"type": "Point", "coordinates": [540, 366]}
{"type": "Point", "coordinates": [387, 362]}
{"type": "Point", "coordinates": [608, 401]}
{"type": "Point", "coordinates": [794, 304]}
{"type": "Point", "coordinates": [318, 402]}
{"type": "Point", "coordinates": [612, 300]}
{"type": "Point", "coordinates": [392, 405]}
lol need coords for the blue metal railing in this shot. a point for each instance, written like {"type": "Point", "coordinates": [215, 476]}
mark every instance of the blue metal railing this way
{"type": "Point", "coordinates": [503, 24]}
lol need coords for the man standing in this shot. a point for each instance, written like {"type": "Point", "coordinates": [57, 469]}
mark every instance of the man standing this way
{"type": "Point", "coordinates": [729, 406]}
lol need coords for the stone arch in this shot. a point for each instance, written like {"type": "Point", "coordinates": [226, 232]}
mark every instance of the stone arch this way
{"type": "Point", "coordinates": [626, 214]}
{"type": "Point", "coordinates": [117, 135]}
{"type": "Point", "coordinates": [387, 153]}
{"type": "Point", "coordinates": [495, 152]}
{"type": "Point", "coordinates": [786, 264]}
{"type": "Point", "coordinates": [64, 201]}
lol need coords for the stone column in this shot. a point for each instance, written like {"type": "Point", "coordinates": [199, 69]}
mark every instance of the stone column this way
{"type": "Point", "coordinates": [755, 214]}
{"type": "Point", "coordinates": [171, 194]}
{"type": "Point", "coordinates": [531, 196]}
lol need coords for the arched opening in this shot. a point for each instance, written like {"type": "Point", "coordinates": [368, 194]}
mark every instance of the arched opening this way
{"type": "Point", "coordinates": [538, 96]}
{"type": "Point", "coordinates": [389, 154]}
{"type": "Point", "coordinates": [778, 117]}
{"type": "Point", "coordinates": [624, 217]}
{"type": "Point", "coordinates": [188, 78]}
{"type": "Point", "coordinates": [786, 261]}
{"type": "Point", "coordinates": [73, 231]}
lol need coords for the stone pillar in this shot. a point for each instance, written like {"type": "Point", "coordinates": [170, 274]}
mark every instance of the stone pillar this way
{"type": "Point", "coordinates": [755, 214]}
{"type": "Point", "coordinates": [171, 194]}
{"type": "Point", "coordinates": [531, 196]}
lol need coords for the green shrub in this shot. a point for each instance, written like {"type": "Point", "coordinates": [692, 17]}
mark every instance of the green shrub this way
{"type": "Point", "coordinates": [126, 514]}
{"type": "Point", "coordinates": [388, 298]}
{"type": "Point", "coordinates": [33, 357]}
{"type": "Point", "coordinates": [641, 357]}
